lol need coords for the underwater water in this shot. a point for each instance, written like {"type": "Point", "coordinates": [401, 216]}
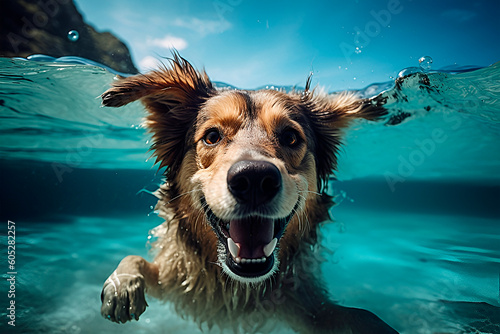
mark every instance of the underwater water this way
{"type": "Point", "coordinates": [416, 232]}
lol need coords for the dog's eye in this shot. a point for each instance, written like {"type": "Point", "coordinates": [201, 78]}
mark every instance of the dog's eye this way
{"type": "Point", "coordinates": [212, 137]}
{"type": "Point", "coordinates": [289, 138]}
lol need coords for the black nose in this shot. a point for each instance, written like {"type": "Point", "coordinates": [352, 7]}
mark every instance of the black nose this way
{"type": "Point", "coordinates": [253, 182]}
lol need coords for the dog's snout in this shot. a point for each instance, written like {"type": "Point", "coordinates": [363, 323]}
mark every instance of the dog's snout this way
{"type": "Point", "coordinates": [254, 182]}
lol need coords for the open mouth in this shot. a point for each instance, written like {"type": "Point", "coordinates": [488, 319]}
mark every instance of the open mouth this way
{"type": "Point", "coordinates": [249, 243]}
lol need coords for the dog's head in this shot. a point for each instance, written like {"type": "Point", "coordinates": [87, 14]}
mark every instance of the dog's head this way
{"type": "Point", "coordinates": [252, 162]}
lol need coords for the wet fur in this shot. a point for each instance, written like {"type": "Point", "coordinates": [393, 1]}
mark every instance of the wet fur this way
{"type": "Point", "coordinates": [180, 101]}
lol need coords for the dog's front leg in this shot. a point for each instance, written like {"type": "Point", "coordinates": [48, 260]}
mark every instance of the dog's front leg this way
{"type": "Point", "coordinates": [123, 292]}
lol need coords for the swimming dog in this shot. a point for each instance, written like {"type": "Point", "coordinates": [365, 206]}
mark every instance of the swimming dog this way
{"type": "Point", "coordinates": [243, 201]}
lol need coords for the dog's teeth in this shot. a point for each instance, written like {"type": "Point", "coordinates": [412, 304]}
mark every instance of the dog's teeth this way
{"type": "Point", "coordinates": [233, 248]}
{"type": "Point", "coordinates": [245, 260]}
{"type": "Point", "coordinates": [269, 248]}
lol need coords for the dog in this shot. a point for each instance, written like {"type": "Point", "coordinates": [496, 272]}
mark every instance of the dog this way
{"type": "Point", "coordinates": [243, 201]}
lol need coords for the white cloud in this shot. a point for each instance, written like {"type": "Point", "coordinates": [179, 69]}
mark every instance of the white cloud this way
{"type": "Point", "coordinates": [203, 27]}
{"type": "Point", "coordinates": [168, 42]}
{"type": "Point", "coordinates": [147, 63]}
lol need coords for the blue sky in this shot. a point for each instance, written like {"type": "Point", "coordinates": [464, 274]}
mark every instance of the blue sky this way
{"type": "Point", "coordinates": [346, 44]}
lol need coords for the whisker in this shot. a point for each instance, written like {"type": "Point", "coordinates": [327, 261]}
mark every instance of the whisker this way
{"type": "Point", "coordinates": [303, 220]}
{"type": "Point", "coordinates": [214, 263]}
{"type": "Point", "coordinates": [183, 194]}
{"type": "Point", "coordinates": [310, 191]}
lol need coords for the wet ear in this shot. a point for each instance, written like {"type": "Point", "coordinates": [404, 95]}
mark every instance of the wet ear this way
{"type": "Point", "coordinates": [340, 109]}
{"type": "Point", "coordinates": [172, 96]}
{"type": "Point", "coordinates": [329, 115]}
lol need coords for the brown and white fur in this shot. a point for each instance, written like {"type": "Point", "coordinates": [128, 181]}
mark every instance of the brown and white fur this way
{"type": "Point", "coordinates": [243, 202]}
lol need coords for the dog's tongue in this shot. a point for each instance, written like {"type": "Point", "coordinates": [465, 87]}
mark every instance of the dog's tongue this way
{"type": "Point", "coordinates": [251, 235]}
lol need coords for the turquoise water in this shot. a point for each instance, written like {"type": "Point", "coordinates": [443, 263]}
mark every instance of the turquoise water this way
{"type": "Point", "coordinates": [416, 237]}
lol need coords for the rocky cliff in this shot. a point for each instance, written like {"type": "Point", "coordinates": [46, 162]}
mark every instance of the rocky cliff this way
{"type": "Point", "coordinates": [41, 27]}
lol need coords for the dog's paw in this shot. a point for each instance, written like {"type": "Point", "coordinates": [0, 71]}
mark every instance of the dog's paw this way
{"type": "Point", "coordinates": [123, 297]}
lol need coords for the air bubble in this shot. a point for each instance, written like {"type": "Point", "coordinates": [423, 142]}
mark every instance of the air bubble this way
{"type": "Point", "coordinates": [357, 50]}
{"type": "Point", "coordinates": [425, 63]}
{"type": "Point", "coordinates": [73, 35]}
{"type": "Point", "coordinates": [408, 71]}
